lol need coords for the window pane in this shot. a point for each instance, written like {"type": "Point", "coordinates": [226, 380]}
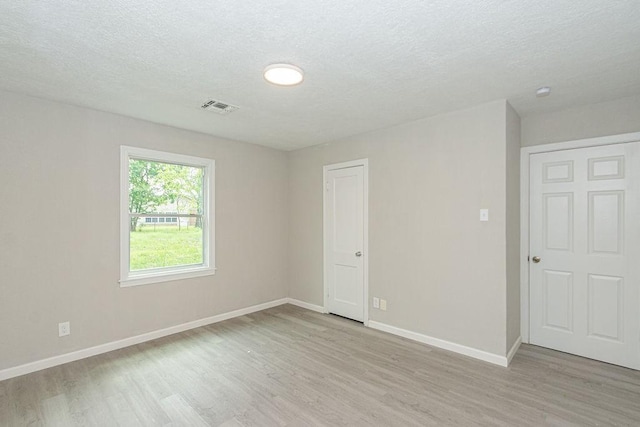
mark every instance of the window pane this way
{"type": "Point", "coordinates": [167, 246]}
{"type": "Point", "coordinates": [163, 189]}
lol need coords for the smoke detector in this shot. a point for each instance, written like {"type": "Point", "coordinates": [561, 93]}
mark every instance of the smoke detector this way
{"type": "Point", "coordinates": [218, 107]}
{"type": "Point", "coordinates": [543, 91]}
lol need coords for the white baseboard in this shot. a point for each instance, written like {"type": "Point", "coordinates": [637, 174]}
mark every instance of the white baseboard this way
{"type": "Point", "coordinates": [115, 345]}
{"type": "Point", "coordinates": [513, 350]}
{"type": "Point", "coordinates": [437, 342]}
{"type": "Point", "coordinates": [306, 305]}
{"type": "Point", "coordinates": [38, 365]}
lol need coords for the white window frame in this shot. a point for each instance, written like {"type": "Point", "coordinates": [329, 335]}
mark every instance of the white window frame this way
{"type": "Point", "coordinates": [135, 278]}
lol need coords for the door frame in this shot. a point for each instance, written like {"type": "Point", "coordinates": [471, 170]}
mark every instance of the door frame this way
{"type": "Point", "coordinates": [365, 168]}
{"type": "Point", "coordinates": [525, 154]}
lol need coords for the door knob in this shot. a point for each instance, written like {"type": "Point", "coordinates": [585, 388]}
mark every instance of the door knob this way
{"type": "Point", "coordinates": [358, 253]}
{"type": "Point", "coordinates": [536, 259]}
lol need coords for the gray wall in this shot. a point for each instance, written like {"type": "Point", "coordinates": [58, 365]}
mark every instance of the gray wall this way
{"type": "Point", "coordinates": [588, 121]}
{"type": "Point", "coordinates": [59, 235]}
{"type": "Point", "coordinates": [442, 271]}
{"type": "Point", "coordinates": [512, 178]}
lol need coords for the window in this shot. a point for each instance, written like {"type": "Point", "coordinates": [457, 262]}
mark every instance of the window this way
{"type": "Point", "coordinates": [167, 226]}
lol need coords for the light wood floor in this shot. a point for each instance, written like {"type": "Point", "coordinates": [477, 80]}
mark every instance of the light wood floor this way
{"type": "Point", "coordinates": [290, 366]}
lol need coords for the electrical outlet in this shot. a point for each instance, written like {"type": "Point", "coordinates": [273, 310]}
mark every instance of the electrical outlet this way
{"type": "Point", "coordinates": [383, 304]}
{"type": "Point", "coordinates": [64, 329]}
{"type": "Point", "coordinates": [376, 302]}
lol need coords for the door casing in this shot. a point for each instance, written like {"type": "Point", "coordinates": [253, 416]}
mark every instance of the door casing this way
{"type": "Point", "coordinates": [365, 166]}
{"type": "Point", "coordinates": [525, 153]}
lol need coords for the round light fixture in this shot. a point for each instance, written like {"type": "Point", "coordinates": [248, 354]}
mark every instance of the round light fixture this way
{"type": "Point", "coordinates": [283, 74]}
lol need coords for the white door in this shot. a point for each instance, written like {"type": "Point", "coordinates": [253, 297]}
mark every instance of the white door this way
{"type": "Point", "coordinates": [344, 241]}
{"type": "Point", "coordinates": [585, 252]}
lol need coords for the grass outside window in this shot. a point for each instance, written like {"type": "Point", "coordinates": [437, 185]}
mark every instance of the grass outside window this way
{"type": "Point", "coordinates": [165, 246]}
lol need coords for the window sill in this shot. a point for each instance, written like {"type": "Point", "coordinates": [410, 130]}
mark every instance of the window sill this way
{"type": "Point", "coordinates": [158, 277]}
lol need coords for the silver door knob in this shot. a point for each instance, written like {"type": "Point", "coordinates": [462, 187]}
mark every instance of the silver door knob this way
{"type": "Point", "coordinates": [535, 259]}
{"type": "Point", "coordinates": [358, 253]}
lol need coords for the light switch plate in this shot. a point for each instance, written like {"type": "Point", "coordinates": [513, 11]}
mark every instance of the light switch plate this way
{"type": "Point", "coordinates": [376, 302]}
{"type": "Point", "coordinates": [383, 304]}
{"type": "Point", "coordinates": [484, 214]}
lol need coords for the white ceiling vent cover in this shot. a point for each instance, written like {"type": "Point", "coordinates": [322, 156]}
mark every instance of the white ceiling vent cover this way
{"type": "Point", "coordinates": [218, 107]}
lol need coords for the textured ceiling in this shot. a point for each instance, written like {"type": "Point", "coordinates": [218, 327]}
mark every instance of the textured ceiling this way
{"type": "Point", "coordinates": [369, 63]}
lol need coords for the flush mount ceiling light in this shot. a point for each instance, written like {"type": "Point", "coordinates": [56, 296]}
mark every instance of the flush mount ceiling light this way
{"type": "Point", "coordinates": [283, 74]}
{"type": "Point", "coordinates": [543, 91]}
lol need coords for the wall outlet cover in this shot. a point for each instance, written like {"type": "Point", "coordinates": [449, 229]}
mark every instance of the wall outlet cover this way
{"type": "Point", "coordinates": [376, 302]}
{"type": "Point", "coordinates": [64, 329]}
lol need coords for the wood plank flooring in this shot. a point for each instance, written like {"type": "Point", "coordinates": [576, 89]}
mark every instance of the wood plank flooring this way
{"type": "Point", "coordinates": [290, 366]}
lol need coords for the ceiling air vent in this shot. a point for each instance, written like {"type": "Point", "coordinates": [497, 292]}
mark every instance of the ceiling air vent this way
{"type": "Point", "coordinates": [218, 107]}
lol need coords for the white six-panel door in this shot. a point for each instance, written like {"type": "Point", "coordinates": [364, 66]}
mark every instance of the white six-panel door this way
{"type": "Point", "coordinates": [344, 241]}
{"type": "Point", "coordinates": [585, 250]}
